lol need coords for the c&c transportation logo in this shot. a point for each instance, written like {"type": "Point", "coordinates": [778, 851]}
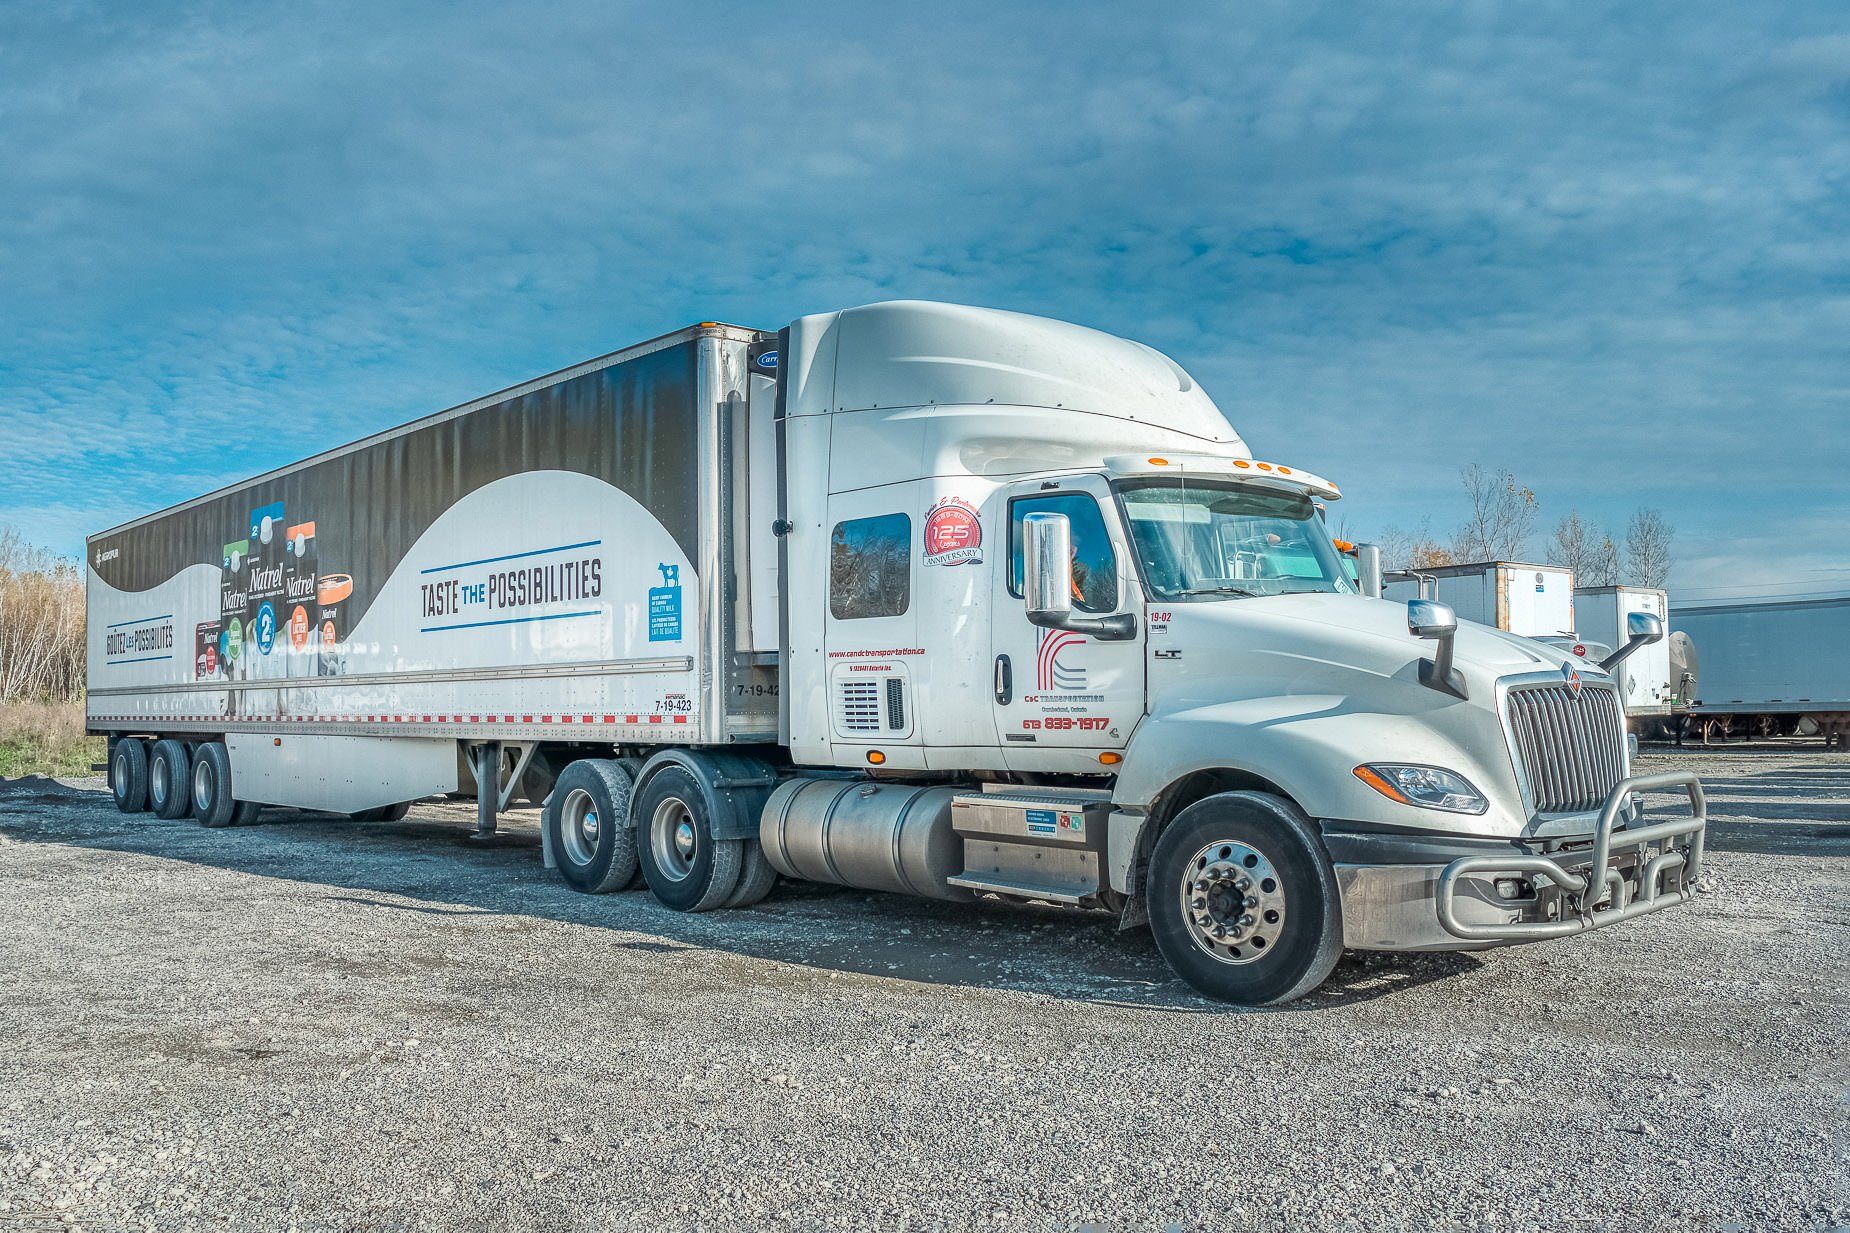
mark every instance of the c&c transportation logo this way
{"type": "Point", "coordinates": [953, 533]}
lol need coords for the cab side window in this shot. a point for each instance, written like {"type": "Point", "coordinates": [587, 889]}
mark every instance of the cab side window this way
{"type": "Point", "coordinates": [1095, 566]}
{"type": "Point", "coordinates": [870, 567]}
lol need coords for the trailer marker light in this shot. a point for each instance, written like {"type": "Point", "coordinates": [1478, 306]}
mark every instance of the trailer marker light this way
{"type": "Point", "coordinates": [278, 742]}
{"type": "Point", "coordinates": [1110, 759]}
{"type": "Point", "coordinates": [875, 756]}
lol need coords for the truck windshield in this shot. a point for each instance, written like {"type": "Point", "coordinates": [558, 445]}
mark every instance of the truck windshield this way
{"type": "Point", "coordinates": [1209, 539]}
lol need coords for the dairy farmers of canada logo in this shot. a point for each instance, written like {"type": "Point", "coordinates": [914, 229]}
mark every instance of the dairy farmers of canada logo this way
{"type": "Point", "coordinates": [953, 533]}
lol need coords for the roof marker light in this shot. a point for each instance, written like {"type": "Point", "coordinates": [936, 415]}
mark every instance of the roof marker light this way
{"type": "Point", "coordinates": [1159, 462]}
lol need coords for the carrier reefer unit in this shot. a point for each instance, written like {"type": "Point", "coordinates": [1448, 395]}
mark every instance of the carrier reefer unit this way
{"type": "Point", "coordinates": [1644, 680]}
{"type": "Point", "coordinates": [1536, 601]}
{"type": "Point", "coordinates": [912, 597]}
{"type": "Point", "coordinates": [1771, 664]}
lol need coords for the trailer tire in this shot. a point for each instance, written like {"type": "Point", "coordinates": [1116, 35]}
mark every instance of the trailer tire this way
{"type": "Point", "coordinates": [169, 779]}
{"type": "Point", "coordinates": [756, 877]}
{"type": "Point", "coordinates": [382, 813]}
{"type": "Point", "coordinates": [128, 775]}
{"type": "Point", "coordinates": [212, 802]}
{"type": "Point", "coordinates": [588, 826]}
{"type": "Point", "coordinates": [686, 867]}
{"type": "Point", "coordinates": [244, 813]}
{"type": "Point", "coordinates": [1243, 901]}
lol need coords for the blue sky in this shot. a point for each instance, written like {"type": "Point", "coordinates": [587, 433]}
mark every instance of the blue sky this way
{"type": "Point", "coordinates": [1607, 247]}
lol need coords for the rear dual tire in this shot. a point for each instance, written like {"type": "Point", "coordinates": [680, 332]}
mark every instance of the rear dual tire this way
{"type": "Point", "coordinates": [128, 774]}
{"type": "Point", "coordinates": [686, 868]}
{"type": "Point", "coordinates": [170, 779]}
{"type": "Point", "coordinates": [587, 827]}
{"type": "Point", "coordinates": [211, 797]}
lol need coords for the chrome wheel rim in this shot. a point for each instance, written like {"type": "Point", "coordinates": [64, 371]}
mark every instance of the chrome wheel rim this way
{"type": "Point", "coordinates": [1233, 902]}
{"type": "Point", "coordinates": [157, 780]}
{"type": "Point", "coordinates": [580, 826]}
{"type": "Point", "coordinates": [202, 785]}
{"type": "Point", "coordinates": [674, 839]}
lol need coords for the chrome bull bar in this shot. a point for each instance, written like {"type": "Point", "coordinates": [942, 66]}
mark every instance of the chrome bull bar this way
{"type": "Point", "coordinates": [1598, 882]}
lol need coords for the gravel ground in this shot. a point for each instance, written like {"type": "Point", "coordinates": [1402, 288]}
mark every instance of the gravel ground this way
{"type": "Point", "coordinates": [314, 1024]}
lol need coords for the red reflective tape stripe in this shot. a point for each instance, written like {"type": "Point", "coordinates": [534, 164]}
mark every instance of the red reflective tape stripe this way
{"type": "Point", "coordinates": [680, 719]}
{"type": "Point", "coordinates": [610, 719]}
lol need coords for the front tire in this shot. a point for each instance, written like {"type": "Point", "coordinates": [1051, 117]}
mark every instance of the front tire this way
{"type": "Point", "coordinates": [587, 823]}
{"type": "Point", "coordinates": [686, 867]}
{"type": "Point", "coordinates": [128, 775]}
{"type": "Point", "coordinates": [169, 779]}
{"type": "Point", "coordinates": [1243, 902]}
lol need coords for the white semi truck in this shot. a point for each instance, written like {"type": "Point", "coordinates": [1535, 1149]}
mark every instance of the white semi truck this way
{"type": "Point", "coordinates": [911, 597]}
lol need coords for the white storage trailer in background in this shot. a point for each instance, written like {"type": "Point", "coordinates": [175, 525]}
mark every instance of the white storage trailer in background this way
{"type": "Point", "coordinates": [1536, 601]}
{"type": "Point", "coordinates": [1643, 677]}
{"type": "Point", "coordinates": [912, 597]}
{"type": "Point", "coordinates": [1772, 664]}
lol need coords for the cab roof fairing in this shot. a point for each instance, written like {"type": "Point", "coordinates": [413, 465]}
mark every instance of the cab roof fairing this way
{"type": "Point", "coordinates": [915, 353]}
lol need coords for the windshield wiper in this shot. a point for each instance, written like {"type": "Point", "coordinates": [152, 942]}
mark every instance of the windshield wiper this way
{"type": "Point", "coordinates": [1216, 591]}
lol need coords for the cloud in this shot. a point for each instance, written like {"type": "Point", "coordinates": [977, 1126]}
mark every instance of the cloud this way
{"type": "Point", "coordinates": [1603, 247]}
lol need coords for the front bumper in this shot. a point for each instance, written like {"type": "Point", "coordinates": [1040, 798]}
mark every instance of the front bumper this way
{"type": "Point", "coordinates": [1458, 899]}
{"type": "Point", "coordinates": [1637, 870]}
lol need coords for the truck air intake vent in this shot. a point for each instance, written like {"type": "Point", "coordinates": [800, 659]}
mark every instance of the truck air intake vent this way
{"type": "Point", "coordinates": [896, 704]}
{"type": "Point", "coordinates": [860, 706]}
{"type": "Point", "coordinates": [1572, 749]}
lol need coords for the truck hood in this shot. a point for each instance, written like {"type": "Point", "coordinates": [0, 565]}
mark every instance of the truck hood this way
{"type": "Point", "coordinates": [1358, 634]}
{"type": "Point", "coordinates": [1300, 689]}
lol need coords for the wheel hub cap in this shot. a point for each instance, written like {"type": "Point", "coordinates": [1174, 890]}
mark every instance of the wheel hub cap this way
{"type": "Point", "coordinates": [1233, 902]}
{"type": "Point", "coordinates": [579, 827]}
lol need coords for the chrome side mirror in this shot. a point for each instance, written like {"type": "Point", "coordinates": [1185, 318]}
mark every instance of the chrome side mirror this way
{"type": "Point", "coordinates": [1430, 619]}
{"type": "Point", "coordinates": [1368, 569]}
{"type": "Point", "coordinates": [1047, 582]}
{"type": "Point", "coordinates": [1641, 630]}
{"type": "Point", "coordinates": [1047, 573]}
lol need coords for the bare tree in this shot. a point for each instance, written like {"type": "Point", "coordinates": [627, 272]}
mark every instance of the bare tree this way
{"type": "Point", "coordinates": [1415, 549]}
{"type": "Point", "coordinates": [1647, 548]}
{"type": "Point", "coordinates": [1582, 547]}
{"type": "Point", "coordinates": [1603, 569]}
{"type": "Point", "coordinates": [1502, 514]}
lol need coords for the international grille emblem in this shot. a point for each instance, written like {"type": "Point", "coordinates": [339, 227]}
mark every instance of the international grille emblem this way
{"type": "Point", "coordinates": [1572, 678]}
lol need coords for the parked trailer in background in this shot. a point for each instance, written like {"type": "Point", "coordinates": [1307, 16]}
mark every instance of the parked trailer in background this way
{"type": "Point", "coordinates": [1644, 678]}
{"type": "Point", "coordinates": [1536, 601]}
{"type": "Point", "coordinates": [1772, 665]}
{"type": "Point", "coordinates": [912, 597]}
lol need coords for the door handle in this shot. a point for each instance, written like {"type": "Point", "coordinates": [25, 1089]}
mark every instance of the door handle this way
{"type": "Point", "coordinates": [1005, 681]}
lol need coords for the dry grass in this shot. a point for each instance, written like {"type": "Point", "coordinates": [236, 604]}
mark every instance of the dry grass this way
{"type": "Point", "coordinates": [46, 738]}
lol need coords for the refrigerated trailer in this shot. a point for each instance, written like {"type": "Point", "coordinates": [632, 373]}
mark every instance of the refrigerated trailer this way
{"type": "Point", "coordinates": [1536, 601]}
{"type": "Point", "coordinates": [911, 597]}
{"type": "Point", "coordinates": [1646, 685]}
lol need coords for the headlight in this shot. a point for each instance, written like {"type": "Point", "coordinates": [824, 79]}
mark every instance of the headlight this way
{"type": "Point", "coordinates": [1425, 786]}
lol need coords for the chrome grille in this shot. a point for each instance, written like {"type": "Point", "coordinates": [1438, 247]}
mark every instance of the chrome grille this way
{"type": "Point", "coordinates": [1572, 749]}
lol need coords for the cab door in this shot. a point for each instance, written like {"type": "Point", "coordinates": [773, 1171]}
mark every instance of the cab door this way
{"type": "Point", "coordinates": [1061, 698]}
